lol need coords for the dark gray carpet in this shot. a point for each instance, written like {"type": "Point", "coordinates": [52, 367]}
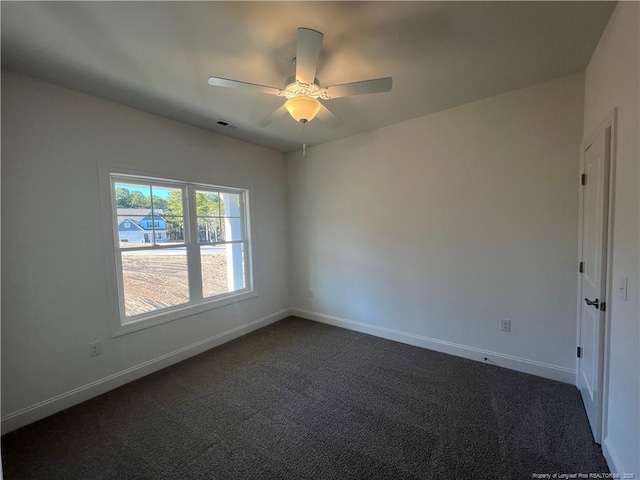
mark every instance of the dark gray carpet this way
{"type": "Point", "coordinates": [302, 400]}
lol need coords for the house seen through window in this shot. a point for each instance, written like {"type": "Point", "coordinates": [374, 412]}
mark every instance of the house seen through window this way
{"type": "Point", "coordinates": [177, 244]}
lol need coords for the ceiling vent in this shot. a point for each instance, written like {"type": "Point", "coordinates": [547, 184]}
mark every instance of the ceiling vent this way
{"type": "Point", "coordinates": [226, 124]}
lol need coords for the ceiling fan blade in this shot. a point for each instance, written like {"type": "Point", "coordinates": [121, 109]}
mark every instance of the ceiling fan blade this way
{"type": "Point", "coordinates": [272, 116]}
{"type": "Point", "coordinates": [377, 85]}
{"type": "Point", "coordinates": [224, 82]}
{"type": "Point", "coordinates": [327, 116]}
{"type": "Point", "coordinates": [307, 54]}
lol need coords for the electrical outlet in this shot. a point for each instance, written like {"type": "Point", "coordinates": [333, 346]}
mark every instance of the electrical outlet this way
{"type": "Point", "coordinates": [311, 293]}
{"type": "Point", "coordinates": [95, 349]}
{"type": "Point", "coordinates": [505, 325]}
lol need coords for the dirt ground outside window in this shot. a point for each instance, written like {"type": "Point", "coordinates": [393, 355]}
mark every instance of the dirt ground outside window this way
{"type": "Point", "coordinates": [154, 282]}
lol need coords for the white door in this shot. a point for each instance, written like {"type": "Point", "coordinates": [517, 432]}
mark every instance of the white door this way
{"type": "Point", "coordinates": [593, 301]}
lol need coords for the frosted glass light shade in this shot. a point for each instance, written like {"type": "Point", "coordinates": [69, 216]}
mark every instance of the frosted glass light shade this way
{"type": "Point", "coordinates": [302, 109]}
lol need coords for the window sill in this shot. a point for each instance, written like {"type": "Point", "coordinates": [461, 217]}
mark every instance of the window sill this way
{"type": "Point", "coordinates": [178, 312]}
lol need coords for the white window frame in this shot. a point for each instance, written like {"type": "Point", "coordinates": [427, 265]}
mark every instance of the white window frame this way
{"type": "Point", "coordinates": [120, 323]}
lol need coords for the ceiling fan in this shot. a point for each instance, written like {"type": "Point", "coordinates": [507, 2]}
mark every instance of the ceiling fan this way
{"type": "Point", "coordinates": [303, 91]}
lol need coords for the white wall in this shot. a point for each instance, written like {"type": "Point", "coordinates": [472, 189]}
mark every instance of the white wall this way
{"type": "Point", "coordinates": [54, 275]}
{"type": "Point", "coordinates": [611, 80]}
{"type": "Point", "coordinates": [431, 230]}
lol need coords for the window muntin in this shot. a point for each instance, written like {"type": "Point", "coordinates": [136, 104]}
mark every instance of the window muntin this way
{"type": "Point", "coordinates": [177, 245]}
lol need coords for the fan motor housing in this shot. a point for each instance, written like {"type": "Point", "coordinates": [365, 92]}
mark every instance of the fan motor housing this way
{"type": "Point", "coordinates": [294, 89]}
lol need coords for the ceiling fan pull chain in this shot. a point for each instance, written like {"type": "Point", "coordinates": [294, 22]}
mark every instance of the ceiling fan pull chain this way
{"type": "Point", "coordinates": [304, 142]}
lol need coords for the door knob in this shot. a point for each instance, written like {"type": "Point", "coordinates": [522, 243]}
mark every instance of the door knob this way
{"type": "Point", "coordinates": [592, 303]}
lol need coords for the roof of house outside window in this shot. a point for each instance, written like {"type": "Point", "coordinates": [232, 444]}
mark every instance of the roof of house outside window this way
{"type": "Point", "coordinates": [140, 212]}
{"type": "Point", "coordinates": [129, 225]}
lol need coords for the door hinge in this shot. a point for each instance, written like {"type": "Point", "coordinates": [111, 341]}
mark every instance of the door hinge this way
{"type": "Point", "coordinates": [581, 268]}
{"type": "Point", "coordinates": [583, 179]}
{"type": "Point", "coordinates": [603, 306]}
{"type": "Point", "coordinates": [579, 352]}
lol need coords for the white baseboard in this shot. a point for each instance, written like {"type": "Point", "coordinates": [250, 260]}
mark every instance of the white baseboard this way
{"type": "Point", "coordinates": [25, 416]}
{"type": "Point", "coordinates": [610, 455]}
{"type": "Point", "coordinates": [554, 372]}
{"type": "Point", "coordinates": [43, 409]}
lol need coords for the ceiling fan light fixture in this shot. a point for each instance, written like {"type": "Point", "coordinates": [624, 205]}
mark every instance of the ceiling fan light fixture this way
{"type": "Point", "coordinates": [302, 109]}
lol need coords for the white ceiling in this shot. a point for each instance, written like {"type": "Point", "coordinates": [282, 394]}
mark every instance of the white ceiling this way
{"type": "Point", "coordinates": [157, 56]}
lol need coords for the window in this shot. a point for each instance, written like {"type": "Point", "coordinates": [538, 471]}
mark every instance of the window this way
{"type": "Point", "coordinates": [190, 253]}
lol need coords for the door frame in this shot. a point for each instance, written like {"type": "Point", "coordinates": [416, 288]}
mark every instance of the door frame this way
{"type": "Point", "coordinates": [609, 122]}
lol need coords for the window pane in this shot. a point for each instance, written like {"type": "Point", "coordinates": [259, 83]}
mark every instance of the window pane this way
{"type": "Point", "coordinates": [222, 237]}
{"type": "Point", "coordinates": [209, 230]}
{"type": "Point", "coordinates": [174, 233]}
{"type": "Point", "coordinates": [141, 225]}
{"type": "Point", "coordinates": [222, 269]}
{"type": "Point", "coordinates": [132, 203]}
{"type": "Point", "coordinates": [168, 215]}
{"type": "Point", "coordinates": [207, 203]}
{"type": "Point", "coordinates": [231, 204]}
{"type": "Point", "coordinates": [131, 195]}
{"type": "Point", "coordinates": [154, 279]}
{"type": "Point", "coordinates": [130, 231]}
{"type": "Point", "coordinates": [233, 229]}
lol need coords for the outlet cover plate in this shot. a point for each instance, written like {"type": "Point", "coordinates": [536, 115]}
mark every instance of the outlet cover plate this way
{"type": "Point", "coordinates": [95, 349]}
{"type": "Point", "coordinates": [505, 325]}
